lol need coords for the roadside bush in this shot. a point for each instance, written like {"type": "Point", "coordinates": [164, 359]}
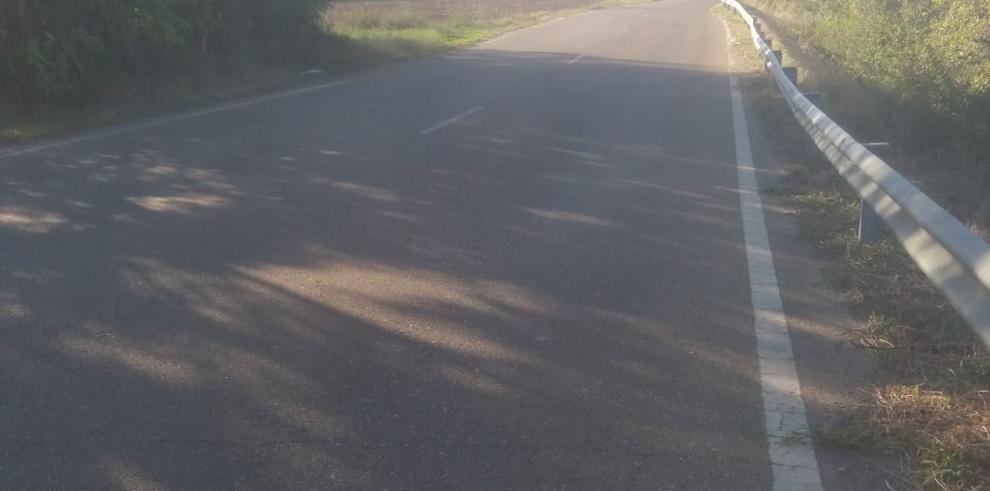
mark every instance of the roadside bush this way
{"type": "Point", "coordinates": [60, 50]}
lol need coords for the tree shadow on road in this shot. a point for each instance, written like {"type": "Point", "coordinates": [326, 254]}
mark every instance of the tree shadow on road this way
{"type": "Point", "coordinates": [310, 294]}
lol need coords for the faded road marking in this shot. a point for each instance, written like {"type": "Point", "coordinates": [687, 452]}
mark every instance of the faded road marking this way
{"type": "Point", "coordinates": [792, 453]}
{"type": "Point", "coordinates": [451, 121]}
{"type": "Point", "coordinates": [577, 58]}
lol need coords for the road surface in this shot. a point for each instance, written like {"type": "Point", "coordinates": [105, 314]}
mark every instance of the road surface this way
{"type": "Point", "coordinates": [518, 266]}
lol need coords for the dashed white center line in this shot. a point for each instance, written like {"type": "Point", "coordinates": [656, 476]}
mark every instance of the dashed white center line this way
{"type": "Point", "coordinates": [451, 121]}
{"type": "Point", "coordinates": [577, 58]}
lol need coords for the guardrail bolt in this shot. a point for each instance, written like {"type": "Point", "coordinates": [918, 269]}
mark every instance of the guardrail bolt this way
{"type": "Point", "coordinates": [871, 227]}
{"type": "Point", "coordinates": [792, 73]}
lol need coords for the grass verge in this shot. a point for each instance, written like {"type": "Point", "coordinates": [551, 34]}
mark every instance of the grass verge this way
{"type": "Point", "coordinates": [953, 169]}
{"type": "Point", "coordinates": [398, 29]}
{"type": "Point", "coordinates": [931, 401]}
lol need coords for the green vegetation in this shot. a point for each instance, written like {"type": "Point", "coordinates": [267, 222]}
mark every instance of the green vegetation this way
{"type": "Point", "coordinates": [71, 64]}
{"type": "Point", "coordinates": [403, 21]}
{"type": "Point", "coordinates": [65, 64]}
{"type": "Point", "coordinates": [929, 59]}
{"type": "Point", "coordinates": [59, 51]}
{"type": "Point", "coordinates": [400, 28]}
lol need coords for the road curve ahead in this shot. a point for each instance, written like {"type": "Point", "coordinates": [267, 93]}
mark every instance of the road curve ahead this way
{"type": "Point", "coordinates": [519, 266]}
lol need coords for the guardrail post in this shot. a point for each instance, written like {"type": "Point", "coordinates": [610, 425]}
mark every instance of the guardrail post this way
{"type": "Point", "coordinates": [870, 224]}
{"type": "Point", "coordinates": [792, 73]}
{"type": "Point", "coordinates": [871, 229]}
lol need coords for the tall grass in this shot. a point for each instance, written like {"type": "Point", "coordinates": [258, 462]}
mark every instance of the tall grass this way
{"type": "Point", "coordinates": [65, 64]}
{"type": "Point", "coordinates": [397, 28]}
{"type": "Point", "coordinates": [929, 58]}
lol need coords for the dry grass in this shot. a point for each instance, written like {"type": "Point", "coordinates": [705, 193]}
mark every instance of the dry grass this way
{"type": "Point", "coordinates": [949, 432]}
{"type": "Point", "coordinates": [931, 403]}
{"type": "Point", "coordinates": [415, 13]}
{"type": "Point", "coordinates": [394, 29]}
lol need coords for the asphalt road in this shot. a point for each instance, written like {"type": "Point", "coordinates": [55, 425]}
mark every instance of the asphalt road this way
{"type": "Point", "coordinates": [518, 266]}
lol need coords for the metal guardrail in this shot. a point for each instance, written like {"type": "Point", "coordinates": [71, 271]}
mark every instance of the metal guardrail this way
{"type": "Point", "coordinates": [955, 259]}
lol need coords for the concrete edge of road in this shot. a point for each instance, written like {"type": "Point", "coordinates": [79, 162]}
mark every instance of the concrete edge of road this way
{"type": "Point", "coordinates": [835, 375]}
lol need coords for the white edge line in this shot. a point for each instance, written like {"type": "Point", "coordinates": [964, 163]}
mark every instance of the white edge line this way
{"type": "Point", "coordinates": [165, 120]}
{"type": "Point", "coordinates": [451, 121]}
{"type": "Point", "coordinates": [791, 451]}
{"type": "Point", "coordinates": [577, 58]}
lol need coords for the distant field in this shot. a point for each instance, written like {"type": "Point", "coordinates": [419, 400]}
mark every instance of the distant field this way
{"type": "Point", "coordinates": [442, 9]}
{"type": "Point", "coordinates": [399, 28]}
